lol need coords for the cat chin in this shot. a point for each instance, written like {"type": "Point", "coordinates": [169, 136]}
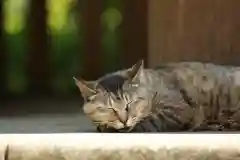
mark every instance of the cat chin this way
{"type": "Point", "coordinates": [130, 123]}
{"type": "Point", "coordinates": [118, 126]}
{"type": "Point", "coordinates": [124, 130]}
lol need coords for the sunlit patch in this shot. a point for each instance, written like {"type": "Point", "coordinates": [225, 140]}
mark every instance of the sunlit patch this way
{"type": "Point", "coordinates": [15, 12]}
{"type": "Point", "coordinates": [58, 15]}
{"type": "Point", "coordinates": [111, 18]}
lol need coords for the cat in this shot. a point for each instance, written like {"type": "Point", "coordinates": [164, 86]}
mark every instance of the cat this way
{"type": "Point", "coordinates": [208, 91]}
{"type": "Point", "coordinates": [96, 98]}
{"type": "Point", "coordinates": [97, 102]}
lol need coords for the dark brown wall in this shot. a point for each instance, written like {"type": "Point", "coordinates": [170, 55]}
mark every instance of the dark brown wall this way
{"type": "Point", "coordinates": [200, 30]}
{"type": "Point", "coordinates": [134, 31]}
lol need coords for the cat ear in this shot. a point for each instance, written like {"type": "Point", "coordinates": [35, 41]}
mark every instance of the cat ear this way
{"type": "Point", "coordinates": [87, 88]}
{"type": "Point", "coordinates": [133, 74]}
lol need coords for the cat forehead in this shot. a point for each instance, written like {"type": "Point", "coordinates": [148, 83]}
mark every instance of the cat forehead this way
{"type": "Point", "coordinates": [131, 88]}
{"type": "Point", "coordinates": [106, 98]}
{"type": "Point", "coordinates": [112, 83]}
{"type": "Point", "coordinates": [130, 94]}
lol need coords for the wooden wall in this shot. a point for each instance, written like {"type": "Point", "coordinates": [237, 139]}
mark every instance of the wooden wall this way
{"type": "Point", "coordinates": [194, 30]}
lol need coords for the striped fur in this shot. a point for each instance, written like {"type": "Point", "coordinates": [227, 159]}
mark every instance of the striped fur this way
{"type": "Point", "coordinates": [208, 93]}
{"type": "Point", "coordinates": [191, 95]}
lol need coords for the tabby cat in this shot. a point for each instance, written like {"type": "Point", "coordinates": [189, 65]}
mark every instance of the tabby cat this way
{"type": "Point", "coordinates": [97, 98]}
{"type": "Point", "coordinates": [189, 94]}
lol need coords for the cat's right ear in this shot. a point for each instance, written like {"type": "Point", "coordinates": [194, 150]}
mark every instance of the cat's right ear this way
{"type": "Point", "coordinates": [135, 72]}
{"type": "Point", "coordinates": [87, 88]}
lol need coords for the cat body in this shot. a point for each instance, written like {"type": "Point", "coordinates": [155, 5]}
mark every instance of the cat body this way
{"type": "Point", "coordinates": [198, 95]}
{"type": "Point", "coordinates": [214, 90]}
{"type": "Point", "coordinates": [185, 95]}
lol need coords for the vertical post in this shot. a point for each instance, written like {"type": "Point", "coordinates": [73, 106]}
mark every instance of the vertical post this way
{"type": "Point", "coordinates": [38, 62]}
{"type": "Point", "coordinates": [2, 53]}
{"type": "Point", "coordinates": [91, 16]}
{"type": "Point", "coordinates": [135, 31]}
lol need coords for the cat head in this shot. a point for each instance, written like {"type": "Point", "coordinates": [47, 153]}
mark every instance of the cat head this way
{"type": "Point", "coordinates": [97, 104]}
{"type": "Point", "coordinates": [106, 109]}
{"type": "Point", "coordinates": [121, 112]}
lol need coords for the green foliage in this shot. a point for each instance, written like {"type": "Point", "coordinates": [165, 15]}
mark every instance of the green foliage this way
{"type": "Point", "coordinates": [66, 41]}
{"type": "Point", "coordinates": [16, 64]}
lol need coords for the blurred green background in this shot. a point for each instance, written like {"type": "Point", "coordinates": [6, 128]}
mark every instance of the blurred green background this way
{"type": "Point", "coordinates": [66, 34]}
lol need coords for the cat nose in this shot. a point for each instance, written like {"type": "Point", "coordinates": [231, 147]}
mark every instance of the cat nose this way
{"type": "Point", "coordinates": [129, 123]}
{"type": "Point", "coordinates": [123, 118]}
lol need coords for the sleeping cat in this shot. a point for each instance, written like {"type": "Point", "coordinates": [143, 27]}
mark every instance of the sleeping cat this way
{"type": "Point", "coordinates": [96, 99]}
{"type": "Point", "coordinates": [122, 112]}
{"type": "Point", "coordinates": [207, 92]}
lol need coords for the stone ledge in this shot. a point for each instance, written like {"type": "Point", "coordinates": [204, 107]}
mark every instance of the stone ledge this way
{"type": "Point", "coordinates": [119, 146]}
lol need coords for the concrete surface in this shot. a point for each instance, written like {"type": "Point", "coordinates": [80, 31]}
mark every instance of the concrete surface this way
{"type": "Point", "coordinates": [46, 123]}
{"type": "Point", "coordinates": [43, 115]}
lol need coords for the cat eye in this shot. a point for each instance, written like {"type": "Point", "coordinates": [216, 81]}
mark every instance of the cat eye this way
{"type": "Point", "coordinates": [140, 98]}
{"type": "Point", "coordinates": [100, 109]}
{"type": "Point", "coordinates": [129, 102]}
{"type": "Point", "coordinates": [134, 117]}
{"type": "Point", "coordinates": [118, 98]}
{"type": "Point", "coordinates": [88, 99]}
{"type": "Point", "coordinates": [127, 108]}
{"type": "Point", "coordinates": [128, 105]}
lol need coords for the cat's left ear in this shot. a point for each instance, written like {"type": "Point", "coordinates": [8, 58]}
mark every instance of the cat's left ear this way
{"type": "Point", "coordinates": [135, 73]}
{"type": "Point", "coordinates": [87, 88]}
